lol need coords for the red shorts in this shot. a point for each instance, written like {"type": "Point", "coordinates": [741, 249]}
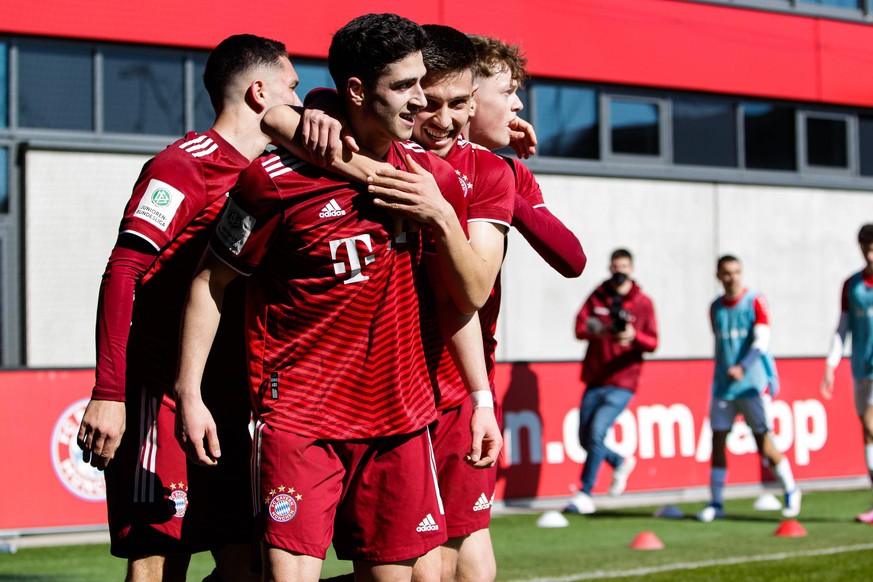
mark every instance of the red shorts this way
{"type": "Point", "coordinates": [377, 498]}
{"type": "Point", "coordinates": [159, 503]}
{"type": "Point", "coordinates": [467, 492]}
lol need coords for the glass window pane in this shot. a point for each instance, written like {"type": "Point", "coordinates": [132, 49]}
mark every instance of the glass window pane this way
{"type": "Point", "coordinates": [567, 123]}
{"type": "Point", "coordinates": [4, 84]}
{"type": "Point", "coordinates": [826, 143]}
{"type": "Point", "coordinates": [204, 114]}
{"type": "Point", "coordinates": [634, 127]}
{"type": "Point", "coordinates": [704, 131]}
{"type": "Point", "coordinates": [865, 137]}
{"type": "Point", "coordinates": [856, 4]}
{"type": "Point", "coordinates": [4, 180]}
{"type": "Point", "coordinates": [312, 74]}
{"type": "Point", "coordinates": [55, 86]}
{"type": "Point", "coordinates": [143, 91]}
{"type": "Point", "coordinates": [769, 136]}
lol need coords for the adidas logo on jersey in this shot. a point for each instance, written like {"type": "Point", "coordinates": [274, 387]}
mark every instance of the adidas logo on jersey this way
{"type": "Point", "coordinates": [482, 503]}
{"type": "Point", "coordinates": [427, 524]}
{"type": "Point", "coordinates": [331, 209]}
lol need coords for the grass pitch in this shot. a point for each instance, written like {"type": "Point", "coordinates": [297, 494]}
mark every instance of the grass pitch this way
{"type": "Point", "coordinates": [741, 547]}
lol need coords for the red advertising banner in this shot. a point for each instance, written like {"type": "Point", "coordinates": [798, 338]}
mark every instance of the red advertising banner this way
{"type": "Point", "coordinates": [48, 487]}
{"type": "Point", "coordinates": [46, 484]}
{"type": "Point", "coordinates": [666, 426]}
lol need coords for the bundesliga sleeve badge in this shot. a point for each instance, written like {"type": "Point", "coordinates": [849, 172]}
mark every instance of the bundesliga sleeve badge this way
{"type": "Point", "coordinates": [159, 204]}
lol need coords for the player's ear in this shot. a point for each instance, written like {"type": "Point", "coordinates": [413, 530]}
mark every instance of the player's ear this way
{"type": "Point", "coordinates": [473, 100]}
{"type": "Point", "coordinates": [256, 96]}
{"type": "Point", "coordinates": [355, 91]}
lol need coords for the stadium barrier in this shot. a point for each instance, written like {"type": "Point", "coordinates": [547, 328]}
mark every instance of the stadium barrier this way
{"type": "Point", "coordinates": [48, 488]}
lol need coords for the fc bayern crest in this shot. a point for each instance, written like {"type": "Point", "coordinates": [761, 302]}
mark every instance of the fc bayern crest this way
{"type": "Point", "coordinates": [180, 500]}
{"type": "Point", "coordinates": [77, 476]}
{"type": "Point", "coordinates": [283, 508]}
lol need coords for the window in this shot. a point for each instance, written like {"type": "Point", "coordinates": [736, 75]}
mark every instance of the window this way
{"type": "Point", "coordinates": [854, 4]}
{"type": "Point", "coordinates": [566, 120]}
{"type": "Point", "coordinates": [4, 181]}
{"type": "Point", "coordinates": [144, 91]}
{"type": "Point", "coordinates": [204, 114]}
{"type": "Point", "coordinates": [4, 85]}
{"type": "Point", "coordinates": [313, 74]}
{"type": "Point", "coordinates": [55, 85]}
{"type": "Point", "coordinates": [865, 138]}
{"type": "Point", "coordinates": [769, 136]}
{"type": "Point", "coordinates": [826, 142]}
{"type": "Point", "coordinates": [704, 131]}
{"type": "Point", "coordinates": [634, 127]}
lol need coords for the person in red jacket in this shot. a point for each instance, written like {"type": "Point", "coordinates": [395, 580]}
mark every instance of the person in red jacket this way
{"type": "Point", "coordinates": [618, 321]}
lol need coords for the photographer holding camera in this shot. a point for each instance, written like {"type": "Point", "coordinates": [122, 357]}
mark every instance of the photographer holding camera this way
{"type": "Point", "coordinates": [618, 321]}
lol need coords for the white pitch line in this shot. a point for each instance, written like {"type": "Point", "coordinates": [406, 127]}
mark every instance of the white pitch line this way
{"type": "Point", "coordinates": [601, 574]}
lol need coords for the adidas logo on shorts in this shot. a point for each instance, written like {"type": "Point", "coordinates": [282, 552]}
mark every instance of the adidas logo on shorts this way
{"type": "Point", "coordinates": [482, 503]}
{"type": "Point", "coordinates": [427, 524]}
{"type": "Point", "coordinates": [331, 209]}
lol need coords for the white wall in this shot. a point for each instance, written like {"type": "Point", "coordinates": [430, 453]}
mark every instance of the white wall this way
{"type": "Point", "coordinates": [73, 205]}
{"type": "Point", "coordinates": [797, 246]}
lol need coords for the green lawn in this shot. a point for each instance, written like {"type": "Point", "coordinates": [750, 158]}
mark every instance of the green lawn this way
{"type": "Point", "coordinates": [594, 546]}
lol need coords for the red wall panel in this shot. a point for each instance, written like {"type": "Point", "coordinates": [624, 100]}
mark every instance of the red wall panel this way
{"type": "Point", "coordinates": [655, 43]}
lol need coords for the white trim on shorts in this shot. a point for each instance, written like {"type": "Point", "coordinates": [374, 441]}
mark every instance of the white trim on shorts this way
{"type": "Point", "coordinates": [433, 473]}
{"type": "Point", "coordinates": [144, 477]}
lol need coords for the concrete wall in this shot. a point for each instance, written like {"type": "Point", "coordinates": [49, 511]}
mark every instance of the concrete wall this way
{"type": "Point", "coordinates": [797, 246]}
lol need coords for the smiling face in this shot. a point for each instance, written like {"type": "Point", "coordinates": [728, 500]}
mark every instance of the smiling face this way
{"type": "Point", "coordinates": [496, 104]}
{"type": "Point", "coordinates": [449, 99]}
{"type": "Point", "coordinates": [386, 112]}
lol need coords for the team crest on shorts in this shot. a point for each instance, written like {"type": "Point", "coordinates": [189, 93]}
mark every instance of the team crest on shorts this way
{"type": "Point", "coordinates": [282, 503]}
{"type": "Point", "coordinates": [77, 476]}
{"type": "Point", "coordinates": [179, 497]}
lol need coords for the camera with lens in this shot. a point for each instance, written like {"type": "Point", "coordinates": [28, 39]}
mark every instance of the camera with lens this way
{"type": "Point", "coordinates": [618, 315]}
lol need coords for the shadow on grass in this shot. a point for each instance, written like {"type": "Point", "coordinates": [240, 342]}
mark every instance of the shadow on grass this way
{"type": "Point", "coordinates": [775, 518]}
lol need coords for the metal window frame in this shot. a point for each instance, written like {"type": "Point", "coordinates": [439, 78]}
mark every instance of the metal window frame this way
{"type": "Point", "coordinates": [852, 152]}
{"type": "Point", "coordinates": [656, 98]}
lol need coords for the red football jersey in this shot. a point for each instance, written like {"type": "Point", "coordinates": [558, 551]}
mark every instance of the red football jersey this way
{"type": "Point", "coordinates": [490, 196]}
{"type": "Point", "coordinates": [174, 202]}
{"type": "Point", "coordinates": [333, 334]}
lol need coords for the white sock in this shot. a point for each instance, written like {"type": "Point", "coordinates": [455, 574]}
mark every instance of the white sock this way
{"type": "Point", "coordinates": [717, 479]}
{"type": "Point", "coordinates": [783, 472]}
{"type": "Point", "coordinates": [868, 454]}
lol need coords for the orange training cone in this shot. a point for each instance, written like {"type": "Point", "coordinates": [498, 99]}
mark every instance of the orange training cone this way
{"type": "Point", "coordinates": [790, 528]}
{"type": "Point", "coordinates": [646, 541]}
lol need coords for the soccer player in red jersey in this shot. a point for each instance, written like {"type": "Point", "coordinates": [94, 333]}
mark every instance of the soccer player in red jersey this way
{"type": "Point", "coordinates": [162, 235]}
{"type": "Point", "coordinates": [333, 308]}
{"type": "Point", "coordinates": [492, 193]}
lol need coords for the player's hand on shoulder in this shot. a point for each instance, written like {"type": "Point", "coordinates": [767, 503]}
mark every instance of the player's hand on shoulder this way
{"type": "Point", "coordinates": [321, 135]}
{"type": "Point", "coordinates": [414, 193]}
{"type": "Point", "coordinates": [523, 138]}
{"type": "Point", "coordinates": [100, 431]}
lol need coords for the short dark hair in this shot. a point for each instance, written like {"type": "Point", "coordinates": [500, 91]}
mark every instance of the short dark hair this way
{"type": "Point", "coordinates": [366, 46]}
{"type": "Point", "coordinates": [448, 51]}
{"type": "Point", "coordinates": [621, 254]}
{"type": "Point", "coordinates": [494, 56]}
{"type": "Point", "coordinates": [865, 235]}
{"type": "Point", "coordinates": [725, 259]}
{"type": "Point", "coordinates": [233, 57]}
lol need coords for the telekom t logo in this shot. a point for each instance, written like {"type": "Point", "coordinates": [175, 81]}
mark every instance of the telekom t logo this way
{"type": "Point", "coordinates": [351, 245]}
